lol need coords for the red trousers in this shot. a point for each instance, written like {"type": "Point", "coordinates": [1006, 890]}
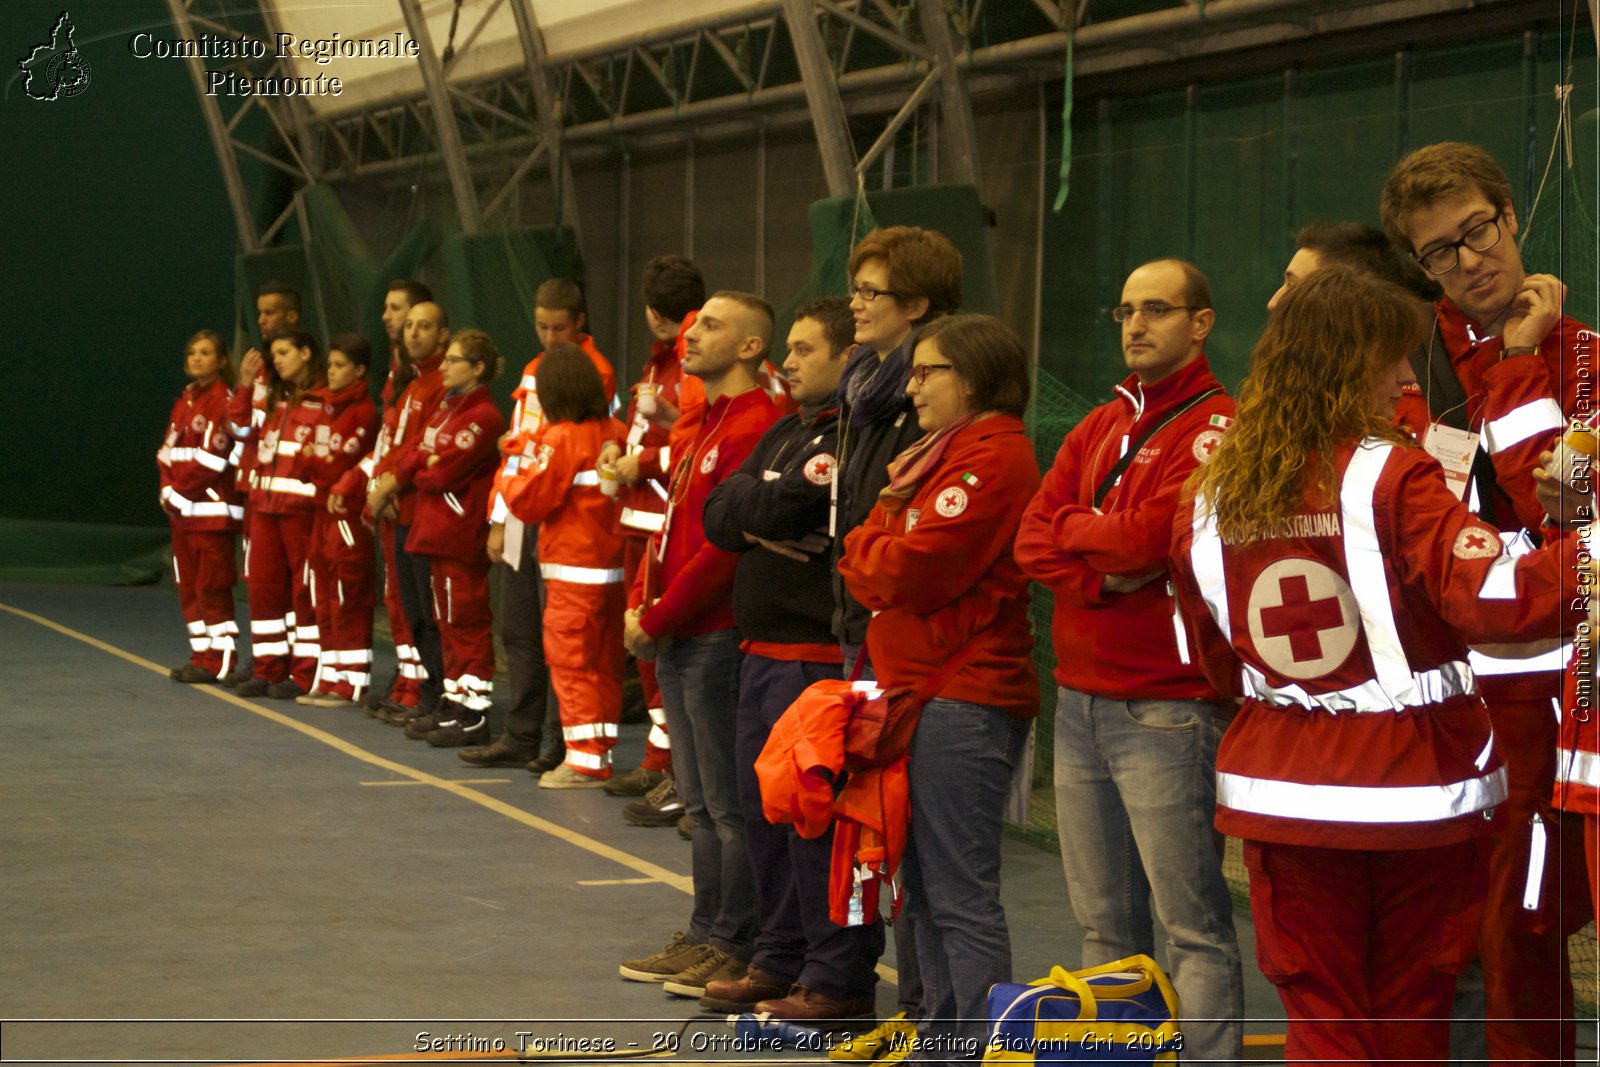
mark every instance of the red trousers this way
{"type": "Point", "coordinates": [343, 592]}
{"type": "Point", "coordinates": [1526, 976]}
{"type": "Point", "coordinates": [204, 568]}
{"type": "Point", "coordinates": [583, 647]}
{"type": "Point", "coordinates": [283, 625]}
{"type": "Point", "coordinates": [466, 625]}
{"type": "Point", "coordinates": [1364, 947]}
{"type": "Point", "coordinates": [657, 745]}
{"type": "Point", "coordinates": [409, 673]}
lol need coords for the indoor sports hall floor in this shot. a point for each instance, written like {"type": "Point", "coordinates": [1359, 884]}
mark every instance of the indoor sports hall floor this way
{"type": "Point", "coordinates": [189, 876]}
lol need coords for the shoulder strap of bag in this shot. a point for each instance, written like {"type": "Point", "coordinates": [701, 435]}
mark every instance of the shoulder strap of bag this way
{"type": "Point", "coordinates": [941, 677]}
{"type": "Point", "coordinates": [1133, 446]}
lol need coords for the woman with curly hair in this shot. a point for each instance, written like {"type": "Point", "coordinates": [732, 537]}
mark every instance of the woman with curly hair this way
{"type": "Point", "coordinates": [1332, 579]}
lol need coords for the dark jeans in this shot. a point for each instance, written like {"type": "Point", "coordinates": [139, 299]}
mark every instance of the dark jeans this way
{"type": "Point", "coordinates": [416, 597]}
{"type": "Point", "coordinates": [522, 635]}
{"type": "Point", "coordinates": [699, 679]}
{"type": "Point", "coordinates": [962, 758]}
{"type": "Point", "coordinates": [796, 941]}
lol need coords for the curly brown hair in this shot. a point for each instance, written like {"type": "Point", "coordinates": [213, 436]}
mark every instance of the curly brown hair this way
{"type": "Point", "coordinates": [1311, 378]}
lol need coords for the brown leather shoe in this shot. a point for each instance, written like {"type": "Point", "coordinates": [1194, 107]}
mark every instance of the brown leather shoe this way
{"type": "Point", "coordinates": [505, 751]}
{"type": "Point", "coordinates": [807, 1004]}
{"type": "Point", "coordinates": [738, 994]}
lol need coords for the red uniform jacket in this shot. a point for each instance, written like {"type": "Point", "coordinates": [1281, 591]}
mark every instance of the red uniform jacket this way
{"type": "Point", "coordinates": [695, 578]}
{"type": "Point", "coordinates": [527, 416]}
{"type": "Point", "coordinates": [1361, 725]}
{"type": "Point", "coordinates": [559, 490]}
{"type": "Point", "coordinates": [342, 438]}
{"type": "Point", "coordinates": [797, 768]}
{"type": "Point", "coordinates": [938, 571]}
{"type": "Point", "coordinates": [247, 414]}
{"type": "Point", "coordinates": [285, 456]}
{"type": "Point", "coordinates": [197, 479]}
{"type": "Point", "coordinates": [644, 505]}
{"type": "Point", "coordinates": [418, 401]}
{"type": "Point", "coordinates": [1065, 546]}
{"type": "Point", "coordinates": [452, 495]}
{"type": "Point", "coordinates": [1519, 405]}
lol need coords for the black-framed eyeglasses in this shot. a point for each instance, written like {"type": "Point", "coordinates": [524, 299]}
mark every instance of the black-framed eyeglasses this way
{"type": "Point", "coordinates": [920, 371]}
{"type": "Point", "coordinates": [1151, 310]}
{"type": "Point", "coordinates": [869, 293]}
{"type": "Point", "coordinates": [1446, 258]}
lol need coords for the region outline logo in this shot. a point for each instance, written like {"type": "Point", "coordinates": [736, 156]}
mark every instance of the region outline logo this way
{"type": "Point", "coordinates": [55, 70]}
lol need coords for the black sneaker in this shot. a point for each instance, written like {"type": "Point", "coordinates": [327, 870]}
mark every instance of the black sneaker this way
{"type": "Point", "coordinates": [284, 690]}
{"type": "Point", "coordinates": [660, 807]}
{"type": "Point", "coordinates": [418, 727]}
{"type": "Point", "coordinates": [504, 751]}
{"type": "Point", "coordinates": [253, 687]}
{"type": "Point", "coordinates": [462, 728]}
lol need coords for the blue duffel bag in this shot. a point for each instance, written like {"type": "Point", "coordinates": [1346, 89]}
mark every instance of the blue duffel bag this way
{"type": "Point", "coordinates": [1123, 1012]}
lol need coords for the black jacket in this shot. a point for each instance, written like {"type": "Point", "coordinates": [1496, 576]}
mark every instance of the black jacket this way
{"type": "Point", "coordinates": [780, 493]}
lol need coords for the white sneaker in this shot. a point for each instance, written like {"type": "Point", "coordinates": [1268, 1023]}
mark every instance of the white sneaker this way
{"type": "Point", "coordinates": [567, 777]}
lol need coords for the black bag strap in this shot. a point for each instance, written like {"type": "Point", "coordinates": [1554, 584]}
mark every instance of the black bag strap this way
{"type": "Point", "coordinates": [1116, 471]}
{"type": "Point", "coordinates": [1447, 404]}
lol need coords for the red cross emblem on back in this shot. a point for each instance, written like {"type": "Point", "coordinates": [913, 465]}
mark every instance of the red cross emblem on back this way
{"type": "Point", "coordinates": [1303, 618]}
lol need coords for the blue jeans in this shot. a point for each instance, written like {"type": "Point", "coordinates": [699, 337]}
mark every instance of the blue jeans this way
{"type": "Point", "coordinates": [1135, 799]}
{"type": "Point", "coordinates": [962, 758]}
{"type": "Point", "coordinates": [699, 679]}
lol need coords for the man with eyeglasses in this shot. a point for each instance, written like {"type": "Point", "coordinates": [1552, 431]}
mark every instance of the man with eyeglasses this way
{"type": "Point", "coordinates": [1524, 370]}
{"type": "Point", "coordinates": [1137, 724]}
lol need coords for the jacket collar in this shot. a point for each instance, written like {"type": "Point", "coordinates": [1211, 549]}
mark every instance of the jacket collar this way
{"type": "Point", "coordinates": [1146, 401]}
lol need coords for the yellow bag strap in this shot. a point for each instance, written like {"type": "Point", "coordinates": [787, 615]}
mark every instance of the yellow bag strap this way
{"type": "Point", "coordinates": [1140, 964]}
{"type": "Point", "coordinates": [1062, 978]}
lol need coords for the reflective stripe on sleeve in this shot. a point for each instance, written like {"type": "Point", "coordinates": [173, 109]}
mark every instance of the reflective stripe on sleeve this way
{"type": "Point", "coordinates": [1519, 424]}
{"type": "Point", "coordinates": [581, 575]}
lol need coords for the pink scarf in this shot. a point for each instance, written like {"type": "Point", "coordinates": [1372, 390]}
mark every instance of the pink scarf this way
{"type": "Point", "coordinates": [910, 467]}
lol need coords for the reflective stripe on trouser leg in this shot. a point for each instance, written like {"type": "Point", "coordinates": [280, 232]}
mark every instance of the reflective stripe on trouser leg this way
{"type": "Point", "coordinates": [657, 736]}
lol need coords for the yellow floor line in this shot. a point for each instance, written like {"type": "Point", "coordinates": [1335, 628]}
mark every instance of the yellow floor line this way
{"type": "Point", "coordinates": [679, 882]}
{"type": "Point", "coordinates": [619, 881]}
{"type": "Point", "coordinates": [651, 872]}
{"type": "Point", "coordinates": [458, 781]}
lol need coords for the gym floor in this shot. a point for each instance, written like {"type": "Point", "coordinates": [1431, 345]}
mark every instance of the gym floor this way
{"type": "Point", "coordinates": [193, 877]}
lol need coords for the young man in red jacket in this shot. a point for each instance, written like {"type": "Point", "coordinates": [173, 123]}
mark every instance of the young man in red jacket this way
{"type": "Point", "coordinates": [1137, 728]}
{"type": "Point", "coordinates": [1522, 370]}
{"type": "Point", "coordinates": [685, 623]}
{"type": "Point", "coordinates": [427, 333]}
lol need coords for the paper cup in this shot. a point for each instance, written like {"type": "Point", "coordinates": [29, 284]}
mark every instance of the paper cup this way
{"type": "Point", "coordinates": [647, 398]}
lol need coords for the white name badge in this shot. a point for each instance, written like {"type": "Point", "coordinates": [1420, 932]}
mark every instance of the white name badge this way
{"type": "Point", "coordinates": [427, 437]}
{"type": "Point", "coordinates": [771, 476]}
{"type": "Point", "coordinates": [1454, 450]}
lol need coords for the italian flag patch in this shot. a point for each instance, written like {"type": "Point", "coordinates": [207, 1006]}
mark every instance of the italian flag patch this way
{"type": "Point", "coordinates": [971, 479]}
{"type": "Point", "coordinates": [1221, 422]}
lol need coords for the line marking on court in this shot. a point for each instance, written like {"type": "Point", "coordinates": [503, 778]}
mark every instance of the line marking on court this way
{"type": "Point", "coordinates": [457, 781]}
{"type": "Point", "coordinates": [655, 873]}
{"type": "Point", "coordinates": [651, 872]}
{"type": "Point", "coordinates": [617, 881]}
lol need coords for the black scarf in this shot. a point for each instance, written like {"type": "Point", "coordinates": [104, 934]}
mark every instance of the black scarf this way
{"type": "Point", "coordinates": [875, 391]}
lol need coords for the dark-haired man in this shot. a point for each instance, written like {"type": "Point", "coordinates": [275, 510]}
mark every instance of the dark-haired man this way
{"type": "Point", "coordinates": [1137, 724]}
{"type": "Point", "coordinates": [1523, 369]}
{"type": "Point", "coordinates": [773, 511]}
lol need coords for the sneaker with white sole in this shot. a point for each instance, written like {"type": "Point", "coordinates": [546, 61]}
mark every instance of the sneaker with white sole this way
{"type": "Point", "coordinates": [715, 966]}
{"type": "Point", "coordinates": [677, 957]}
{"type": "Point", "coordinates": [567, 776]}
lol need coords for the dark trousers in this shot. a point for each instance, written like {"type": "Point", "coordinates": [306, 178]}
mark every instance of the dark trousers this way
{"type": "Point", "coordinates": [416, 596]}
{"type": "Point", "coordinates": [522, 634]}
{"type": "Point", "coordinates": [795, 939]}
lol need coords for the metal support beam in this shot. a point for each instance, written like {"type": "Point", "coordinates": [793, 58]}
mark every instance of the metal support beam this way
{"type": "Point", "coordinates": [548, 110]}
{"type": "Point", "coordinates": [244, 222]}
{"type": "Point", "coordinates": [1594, 22]}
{"type": "Point", "coordinates": [960, 130]}
{"type": "Point", "coordinates": [446, 132]}
{"type": "Point", "coordinates": [822, 98]}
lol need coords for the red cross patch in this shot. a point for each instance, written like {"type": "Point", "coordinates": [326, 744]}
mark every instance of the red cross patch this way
{"type": "Point", "coordinates": [819, 469]}
{"type": "Point", "coordinates": [197, 423]}
{"type": "Point", "coordinates": [951, 502]}
{"type": "Point", "coordinates": [1475, 542]}
{"type": "Point", "coordinates": [465, 439]}
{"type": "Point", "coordinates": [709, 464]}
{"type": "Point", "coordinates": [1205, 443]}
{"type": "Point", "coordinates": [1303, 618]}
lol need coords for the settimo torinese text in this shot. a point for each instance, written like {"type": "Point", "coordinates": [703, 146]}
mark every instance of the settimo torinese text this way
{"type": "Point", "coordinates": [318, 50]}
